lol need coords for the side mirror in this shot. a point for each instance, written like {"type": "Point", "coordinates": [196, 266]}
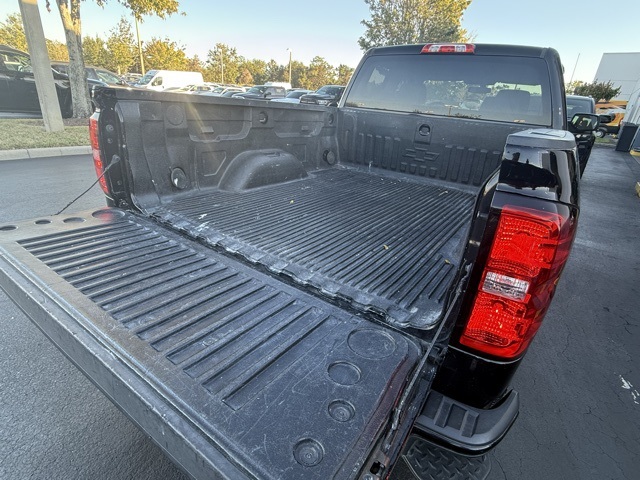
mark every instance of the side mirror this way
{"type": "Point", "coordinates": [584, 122]}
{"type": "Point", "coordinates": [606, 118]}
{"type": "Point", "coordinates": [267, 94]}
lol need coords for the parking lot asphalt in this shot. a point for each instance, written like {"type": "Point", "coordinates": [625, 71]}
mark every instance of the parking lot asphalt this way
{"type": "Point", "coordinates": [580, 410]}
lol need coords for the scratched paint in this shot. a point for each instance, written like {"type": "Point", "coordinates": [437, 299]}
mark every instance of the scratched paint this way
{"type": "Point", "coordinates": [634, 393]}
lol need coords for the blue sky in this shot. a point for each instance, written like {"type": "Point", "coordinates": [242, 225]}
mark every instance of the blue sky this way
{"type": "Point", "coordinates": [331, 28]}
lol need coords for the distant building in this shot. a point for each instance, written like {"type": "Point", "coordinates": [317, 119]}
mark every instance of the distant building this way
{"type": "Point", "coordinates": [621, 69]}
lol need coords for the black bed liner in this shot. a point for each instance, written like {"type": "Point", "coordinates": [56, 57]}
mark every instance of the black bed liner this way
{"type": "Point", "coordinates": [386, 244]}
{"type": "Point", "coordinates": [230, 371]}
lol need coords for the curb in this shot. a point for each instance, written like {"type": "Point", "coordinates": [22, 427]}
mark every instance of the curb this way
{"type": "Point", "coordinates": [24, 153]}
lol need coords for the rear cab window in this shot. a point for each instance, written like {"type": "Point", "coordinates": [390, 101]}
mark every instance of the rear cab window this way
{"type": "Point", "coordinates": [578, 105]}
{"type": "Point", "coordinates": [498, 88]}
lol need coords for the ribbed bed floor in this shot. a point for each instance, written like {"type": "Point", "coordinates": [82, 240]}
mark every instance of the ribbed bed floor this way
{"type": "Point", "coordinates": [383, 244]}
{"type": "Point", "coordinates": [213, 359]}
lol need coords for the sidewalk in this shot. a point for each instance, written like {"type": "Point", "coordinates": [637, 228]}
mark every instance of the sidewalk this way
{"type": "Point", "coordinates": [43, 152]}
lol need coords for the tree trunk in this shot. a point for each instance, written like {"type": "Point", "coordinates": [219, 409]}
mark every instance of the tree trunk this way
{"type": "Point", "coordinates": [70, 14]}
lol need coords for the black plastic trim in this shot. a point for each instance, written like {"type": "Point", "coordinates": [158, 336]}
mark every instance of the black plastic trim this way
{"type": "Point", "coordinates": [466, 428]}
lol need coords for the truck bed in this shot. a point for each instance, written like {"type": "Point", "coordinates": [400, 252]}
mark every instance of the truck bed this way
{"type": "Point", "coordinates": [385, 244]}
{"type": "Point", "coordinates": [232, 372]}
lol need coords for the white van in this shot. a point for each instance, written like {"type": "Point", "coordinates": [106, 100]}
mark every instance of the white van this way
{"type": "Point", "coordinates": [161, 79]}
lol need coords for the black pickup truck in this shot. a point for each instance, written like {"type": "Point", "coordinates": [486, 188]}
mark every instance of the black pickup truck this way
{"type": "Point", "coordinates": [286, 291]}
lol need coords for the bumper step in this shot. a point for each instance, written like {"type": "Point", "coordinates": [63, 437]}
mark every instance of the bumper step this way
{"type": "Point", "coordinates": [466, 428]}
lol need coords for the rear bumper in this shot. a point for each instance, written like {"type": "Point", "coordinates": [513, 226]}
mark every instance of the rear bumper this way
{"type": "Point", "coordinates": [467, 429]}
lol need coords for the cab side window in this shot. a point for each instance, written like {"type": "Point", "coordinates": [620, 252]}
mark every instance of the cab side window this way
{"type": "Point", "coordinates": [17, 62]}
{"type": "Point", "coordinates": [157, 81]}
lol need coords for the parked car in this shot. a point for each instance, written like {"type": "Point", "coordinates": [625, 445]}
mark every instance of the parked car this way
{"type": "Point", "coordinates": [192, 89]}
{"type": "Point", "coordinates": [200, 89]}
{"type": "Point", "coordinates": [229, 94]}
{"type": "Point", "coordinates": [293, 96]}
{"type": "Point", "coordinates": [97, 74]}
{"type": "Point", "coordinates": [222, 89]}
{"type": "Point", "coordinates": [263, 92]}
{"type": "Point", "coordinates": [327, 95]}
{"type": "Point", "coordinates": [96, 77]}
{"type": "Point", "coordinates": [18, 86]}
{"type": "Point", "coordinates": [578, 104]}
{"type": "Point", "coordinates": [131, 78]}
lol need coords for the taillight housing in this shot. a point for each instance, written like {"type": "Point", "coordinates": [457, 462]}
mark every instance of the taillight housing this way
{"type": "Point", "coordinates": [95, 147]}
{"type": "Point", "coordinates": [529, 250]}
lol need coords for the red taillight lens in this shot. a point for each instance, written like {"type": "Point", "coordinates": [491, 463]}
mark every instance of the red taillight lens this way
{"type": "Point", "coordinates": [448, 48]}
{"type": "Point", "coordinates": [529, 250]}
{"type": "Point", "coordinates": [95, 147]}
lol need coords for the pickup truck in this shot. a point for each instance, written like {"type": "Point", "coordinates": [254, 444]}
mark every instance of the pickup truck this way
{"type": "Point", "coordinates": [297, 291]}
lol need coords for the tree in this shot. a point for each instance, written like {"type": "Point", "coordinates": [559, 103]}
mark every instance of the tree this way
{"type": "Point", "coordinates": [12, 32]}
{"type": "Point", "coordinates": [245, 77]}
{"type": "Point", "coordinates": [223, 63]}
{"type": "Point", "coordinates": [164, 54]}
{"type": "Point", "coordinates": [95, 51]}
{"type": "Point", "coordinates": [299, 74]}
{"type": "Point", "coordinates": [194, 64]}
{"type": "Point", "coordinates": [70, 14]}
{"type": "Point", "coordinates": [275, 72]}
{"type": "Point", "coordinates": [57, 50]}
{"type": "Point", "coordinates": [343, 72]}
{"type": "Point", "coordinates": [122, 47]}
{"type": "Point", "coordinates": [603, 91]}
{"type": "Point", "coordinates": [258, 71]}
{"type": "Point", "coordinates": [570, 87]}
{"type": "Point", "coordinates": [319, 73]}
{"type": "Point", "coordinates": [397, 22]}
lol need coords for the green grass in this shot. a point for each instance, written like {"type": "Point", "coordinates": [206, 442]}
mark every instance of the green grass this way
{"type": "Point", "coordinates": [26, 133]}
{"type": "Point", "coordinates": [607, 140]}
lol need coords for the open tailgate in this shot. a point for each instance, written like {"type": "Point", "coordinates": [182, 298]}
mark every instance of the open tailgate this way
{"type": "Point", "coordinates": [231, 371]}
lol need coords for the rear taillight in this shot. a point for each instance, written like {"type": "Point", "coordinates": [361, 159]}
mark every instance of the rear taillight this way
{"type": "Point", "coordinates": [529, 250]}
{"type": "Point", "coordinates": [95, 147]}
